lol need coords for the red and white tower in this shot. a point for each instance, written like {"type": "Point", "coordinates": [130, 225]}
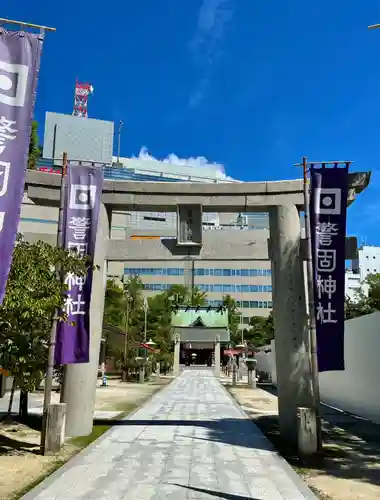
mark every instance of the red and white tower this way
{"type": "Point", "coordinates": [82, 91]}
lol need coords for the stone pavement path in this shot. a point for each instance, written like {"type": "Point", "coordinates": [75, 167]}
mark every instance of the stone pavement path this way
{"type": "Point", "coordinates": [191, 441]}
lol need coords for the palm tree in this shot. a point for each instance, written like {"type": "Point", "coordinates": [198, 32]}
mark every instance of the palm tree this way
{"type": "Point", "coordinates": [229, 303]}
{"type": "Point", "coordinates": [181, 295]}
{"type": "Point", "coordinates": [133, 319]}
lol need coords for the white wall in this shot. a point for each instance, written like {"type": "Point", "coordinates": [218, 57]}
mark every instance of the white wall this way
{"type": "Point", "coordinates": [273, 362]}
{"type": "Point", "coordinates": [357, 388]}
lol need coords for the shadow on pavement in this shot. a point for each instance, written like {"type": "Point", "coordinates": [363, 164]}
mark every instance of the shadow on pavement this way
{"type": "Point", "coordinates": [236, 432]}
{"type": "Point", "coordinates": [213, 493]}
{"type": "Point", "coordinates": [351, 446]}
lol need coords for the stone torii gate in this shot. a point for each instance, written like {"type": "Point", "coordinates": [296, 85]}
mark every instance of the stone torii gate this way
{"type": "Point", "coordinates": [286, 249]}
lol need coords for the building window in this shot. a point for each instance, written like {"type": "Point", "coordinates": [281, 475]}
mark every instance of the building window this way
{"type": "Point", "coordinates": [198, 272]}
{"type": "Point", "coordinates": [155, 219]}
{"type": "Point", "coordinates": [252, 304]}
{"type": "Point", "coordinates": [173, 271]}
{"type": "Point", "coordinates": [226, 288]}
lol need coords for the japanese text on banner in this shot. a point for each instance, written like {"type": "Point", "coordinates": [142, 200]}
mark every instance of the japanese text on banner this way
{"type": "Point", "coordinates": [7, 133]}
{"type": "Point", "coordinates": [79, 229]}
{"type": "Point", "coordinates": [326, 266]}
{"type": "Point", "coordinates": [74, 306]}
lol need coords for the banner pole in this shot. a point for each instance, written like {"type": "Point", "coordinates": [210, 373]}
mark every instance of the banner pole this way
{"type": "Point", "coordinates": [312, 331]}
{"type": "Point", "coordinates": [3, 20]}
{"type": "Point", "coordinates": [53, 332]}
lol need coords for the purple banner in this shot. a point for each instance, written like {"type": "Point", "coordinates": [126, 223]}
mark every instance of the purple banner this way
{"type": "Point", "coordinates": [81, 222]}
{"type": "Point", "coordinates": [328, 209]}
{"type": "Point", "coordinates": [20, 54]}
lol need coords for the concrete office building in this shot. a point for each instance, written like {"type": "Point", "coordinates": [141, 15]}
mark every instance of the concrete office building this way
{"type": "Point", "coordinates": [249, 282]}
{"type": "Point", "coordinates": [368, 262]}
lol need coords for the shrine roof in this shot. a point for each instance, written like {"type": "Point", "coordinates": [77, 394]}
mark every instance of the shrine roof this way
{"type": "Point", "coordinates": [203, 317]}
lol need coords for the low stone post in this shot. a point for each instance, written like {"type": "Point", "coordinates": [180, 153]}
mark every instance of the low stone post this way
{"type": "Point", "coordinates": [217, 356]}
{"type": "Point", "coordinates": [234, 372]}
{"type": "Point", "coordinates": [177, 346]}
{"type": "Point", "coordinates": [307, 431]}
{"type": "Point", "coordinates": [158, 369]}
{"type": "Point", "coordinates": [55, 428]}
{"type": "Point", "coordinates": [141, 364]}
{"type": "Point", "coordinates": [251, 366]}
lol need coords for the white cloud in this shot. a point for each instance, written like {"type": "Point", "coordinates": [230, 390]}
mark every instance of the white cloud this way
{"type": "Point", "coordinates": [213, 17]}
{"type": "Point", "coordinates": [195, 162]}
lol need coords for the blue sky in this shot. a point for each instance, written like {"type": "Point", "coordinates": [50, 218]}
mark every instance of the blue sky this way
{"type": "Point", "coordinates": [250, 84]}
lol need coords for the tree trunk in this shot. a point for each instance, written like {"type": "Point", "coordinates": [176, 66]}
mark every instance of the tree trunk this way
{"type": "Point", "coordinates": [23, 410]}
{"type": "Point", "coordinates": [11, 397]}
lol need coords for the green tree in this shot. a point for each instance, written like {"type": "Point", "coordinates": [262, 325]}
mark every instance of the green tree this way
{"type": "Point", "coordinates": [180, 295]}
{"type": "Point", "coordinates": [34, 148]}
{"type": "Point", "coordinates": [115, 315]}
{"type": "Point", "coordinates": [33, 294]}
{"type": "Point", "coordinates": [159, 328]}
{"type": "Point", "coordinates": [133, 296]}
{"type": "Point", "coordinates": [114, 304]}
{"type": "Point", "coordinates": [357, 307]}
{"type": "Point", "coordinates": [133, 321]}
{"type": "Point", "coordinates": [124, 308]}
{"type": "Point", "coordinates": [234, 318]}
{"type": "Point", "coordinates": [364, 303]}
{"type": "Point", "coordinates": [373, 282]}
{"type": "Point", "coordinates": [261, 330]}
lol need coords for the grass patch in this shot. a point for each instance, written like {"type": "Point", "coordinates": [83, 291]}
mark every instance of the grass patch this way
{"type": "Point", "coordinates": [125, 408]}
{"type": "Point", "coordinates": [84, 441]}
{"type": "Point", "coordinates": [99, 429]}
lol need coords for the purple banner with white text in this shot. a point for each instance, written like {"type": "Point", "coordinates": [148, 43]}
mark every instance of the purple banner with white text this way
{"type": "Point", "coordinates": [20, 55]}
{"type": "Point", "coordinates": [328, 212]}
{"type": "Point", "coordinates": [84, 194]}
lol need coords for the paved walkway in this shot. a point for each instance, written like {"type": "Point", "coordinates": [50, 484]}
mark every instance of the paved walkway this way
{"type": "Point", "coordinates": [191, 441]}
